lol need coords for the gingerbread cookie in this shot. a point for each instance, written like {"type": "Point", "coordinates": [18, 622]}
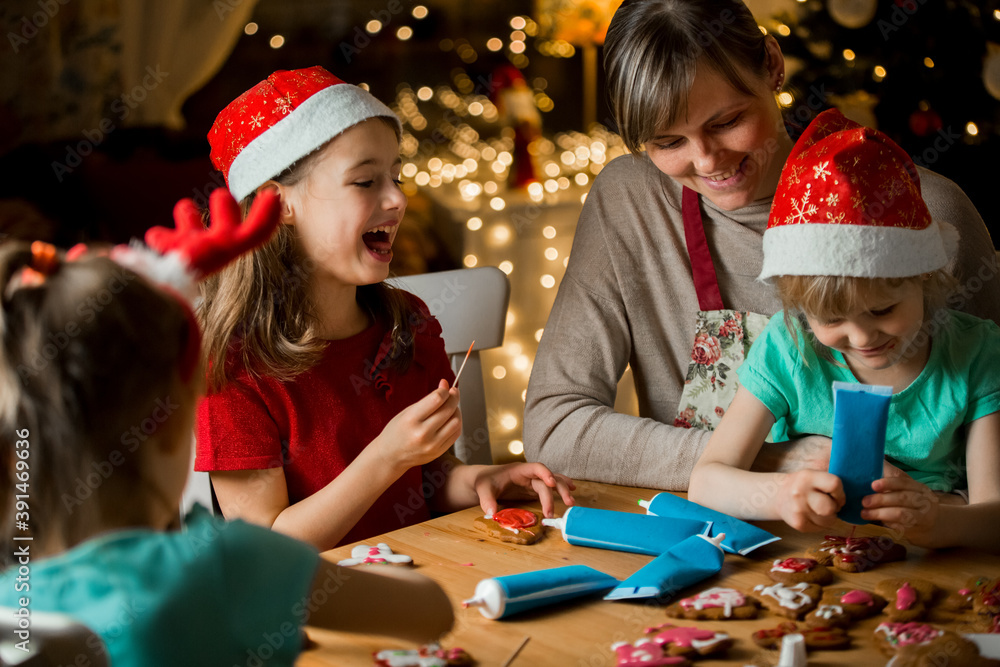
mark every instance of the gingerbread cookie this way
{"type": "Point", "coordinates": [689, 642]}
{"type": "Point", "coordinates": [431, 655]}
{"type": "Point", "coordinates": [791, 601]}
{"type": "Point", "coordinates": [715, 604]}
{"type": "Point", "coordinates": [380, 554]}
{"type": "Point", "coordinates": [515, 525]}
{"type": "Point", "coordinates": [815, 637]}
{"type": "Point", "coordinates": [857, 554]}
{"type": "Point", "coordinates": [919, 643]}
{"type": "Point", "coordinates": [794, 570]}
{"type": "Point", "coordinates": [855, 602]}
{"type": "Point", "coordinates": [829, 616]}
{"type": "Point", "coordinates": [907, 598]}
{"type": "Point", "coordinates": [644, 653]}
{"type": "Point", "coordinates": [986, 597]}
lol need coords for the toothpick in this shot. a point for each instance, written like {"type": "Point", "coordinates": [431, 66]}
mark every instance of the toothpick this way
{"type": "Point", "coordinates": [462, 367]}
{"type": "Point", "coordinates": [516, 651]}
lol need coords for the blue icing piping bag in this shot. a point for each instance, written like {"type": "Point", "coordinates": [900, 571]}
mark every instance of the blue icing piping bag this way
{"type": "Point", "coordinates": [696, 558]}
{"type": "Point", "coordinates": [741, 537]}
{"type": "Point", "coordinates": [624, 531]}
{"type": "Point", "coordinates": [860, 418]}
{"type": "Point", "coordinates": [499, 597]}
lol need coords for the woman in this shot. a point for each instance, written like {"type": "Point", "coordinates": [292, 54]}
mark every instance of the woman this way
{"type": "Point", "coordinates": [692, 84]}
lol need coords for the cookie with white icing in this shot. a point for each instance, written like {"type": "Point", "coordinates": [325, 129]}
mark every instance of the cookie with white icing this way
{"type": "Point", "coordinates": [380, 554]}
{"type": "Point", "coordinates": [920, 644]}
{"type": "Point", "coordinates": [789, 600]}
{"type": "Point", "coordinates": [856, 602]}
{"type": "Point", "coordinates": [430, 655]}
{"type": "Point", "coordinates": [645, 653]}
{"type": "Point", "coordinates": [689, 642]}
{"type": "Point", "coordinates": [715, 604]}
{"type": "Point", "coordinates": [794, 570]}
{"type": "Point", "coordinates": [857, 554]}
{"type": "Point", "coordinates": [515, 525]}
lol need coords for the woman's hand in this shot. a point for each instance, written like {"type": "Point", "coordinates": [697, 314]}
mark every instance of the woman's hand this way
{"type": "Point", "coordinates": [808, 500]}
{"type": "Point", "coordinates": [906, 506]}
{"type": "Point", "coordinates": [423, 431]}
{"type": "Point", "coordinates": [521, 481]}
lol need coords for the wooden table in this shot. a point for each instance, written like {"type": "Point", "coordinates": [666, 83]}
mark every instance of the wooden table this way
{"type": "Point", "coordinates": [452, 552]}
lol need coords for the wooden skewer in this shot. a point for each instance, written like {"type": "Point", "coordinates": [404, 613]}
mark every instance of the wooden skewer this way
{"type": "Point", "coordinates": [513, 655]}
{"type": "Point", "coordinates": [462, 367]}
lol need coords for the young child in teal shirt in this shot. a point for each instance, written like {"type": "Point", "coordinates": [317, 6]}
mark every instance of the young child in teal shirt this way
{"type": "Point", "coordinates": [861, 271]}
{"type": "Point", "coordinates": [99, 376]}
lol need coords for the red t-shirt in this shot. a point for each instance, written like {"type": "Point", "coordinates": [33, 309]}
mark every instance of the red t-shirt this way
{"type": "Point", "coordinates": [316, 424]}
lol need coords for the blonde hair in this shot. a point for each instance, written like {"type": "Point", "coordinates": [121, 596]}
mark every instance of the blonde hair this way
{"type": "Point", "coordinates": [88, 357]}
{"type": "Point", "coordinates": [834, 297]}
{"type": "Point", "coordinates": [257, 316]}
{"type": "Point", "coordinates": [652, 52]}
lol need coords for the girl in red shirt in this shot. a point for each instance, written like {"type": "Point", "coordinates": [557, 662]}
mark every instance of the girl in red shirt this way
{"type": "Point", "coordinates": [330, 409]}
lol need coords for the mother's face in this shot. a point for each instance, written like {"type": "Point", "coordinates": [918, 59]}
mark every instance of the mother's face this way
{"type": "Point", "coordinates": [727, 146]}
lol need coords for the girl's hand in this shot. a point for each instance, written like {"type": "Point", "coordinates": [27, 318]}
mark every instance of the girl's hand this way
{"type": "Point", "coordinates": [522, 481]}
{"type": "Point", "coordinates": [808, 500]}
{"type": "Point", "coordinates": [904, 505]}
{"type": "Point", "coordinates": [423, 431]}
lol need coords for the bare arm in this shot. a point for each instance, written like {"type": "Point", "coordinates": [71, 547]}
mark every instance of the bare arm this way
{"type": "Point", "coordinates": [382, 600]}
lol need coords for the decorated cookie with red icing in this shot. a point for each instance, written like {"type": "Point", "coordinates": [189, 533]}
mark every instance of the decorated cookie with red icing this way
{"type": "Point", "coordinates": [789, 600]}
{"type": "Point", "coordinates": [794, 570]}
{"type": "Point", "coordinates": [644, 653]}
{"type": "Point", "coordinates": [925, 645]}
{"type": "Point", "coordinates": [431, 655]}
{"type": "Point", "coordinates": [857, 554]}
{"type": "Point", "coordinates": [689, 642]}
{"type": "Point", "coordinates": [855, 602]}
{"type": "Point", "coordinates": [986, 597]}
{"type": "Point", "coordinates": [829, 616]}
{"type": "Point", "coordinates": [380, 554]}
{"type": "Point", "coordinates": [816, 637]}
{"type": "Point", "coordinates": [715, 604]}
{"type": "Point", "coordinates": [906, 599]}
{"type": "Point", "coordinates": [516, 525]}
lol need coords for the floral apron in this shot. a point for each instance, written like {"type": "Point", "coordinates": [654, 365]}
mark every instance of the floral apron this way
{"type": "Point", "coordinates": [722, 337]}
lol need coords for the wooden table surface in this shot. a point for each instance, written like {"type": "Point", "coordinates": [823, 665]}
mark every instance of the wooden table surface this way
{"type": "Point", "coordinates": [452, 552]}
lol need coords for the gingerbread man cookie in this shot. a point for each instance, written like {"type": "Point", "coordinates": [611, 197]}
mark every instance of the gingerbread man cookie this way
{"type": "Point", "coordinates": [689, 642]}
{"type": "Point", "coordinates": [431, 655]}
{"type": "Point", "coordinates": [715, 604]}
{"type": "Point", "coordinates": [794, 570]}
{"type": "Point", "coordinates": [791, 601]}
{"type": "Point", "coordinates": [907, 599]}
{"type": "Point", "coordinates": [829, 616]}
{"type": "Point", "coordinates": [921, 644]}
{"type": "Point", "coordinates": [380, 554]}
{"type": "Point", "coordinates": [857, 554]}
{"type": "Point", "coordinates": [515, 525]}
{"type": "Point", "coordinates": [817, 637]}
{"type": "Point", "coordinates": [644, 653]}
{"type": "Point", "coordinates": [855, 602]}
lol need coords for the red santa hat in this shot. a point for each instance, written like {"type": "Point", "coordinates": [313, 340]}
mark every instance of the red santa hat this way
{"type": "Point", "coordinates": [848, 204]}
{"type": "Point", "coordinates": [281, 120]}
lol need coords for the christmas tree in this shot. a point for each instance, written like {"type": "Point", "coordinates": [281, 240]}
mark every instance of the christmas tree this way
{"type": "Point", "coordinates": [925, 72]}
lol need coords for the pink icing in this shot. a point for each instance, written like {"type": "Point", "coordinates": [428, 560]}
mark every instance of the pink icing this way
{"type": "Point", "coordinates": [683, 636]}
{"type": "Point", "coordinates": [905, 634]}
{"type": "Point", "coordinates": [906, 597]}
{"type": "Point", "coordinates": [644, 653]}
{"type": "Point", "coordinates": [715, 597]}
{"type": "Point", "coordinates": [374, 556]}
{"type": "Point", "coordinates": [794, 565]}
{"type": "Point", "coordinates": [964, 591]}
{"type": "Point", "coordinates": [857, 597]}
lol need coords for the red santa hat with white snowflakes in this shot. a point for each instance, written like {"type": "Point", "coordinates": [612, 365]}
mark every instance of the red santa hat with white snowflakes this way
{"type": "Point", "coordinates": [281, 120]}
{"type": "Point", "coordinates": [848, 204]}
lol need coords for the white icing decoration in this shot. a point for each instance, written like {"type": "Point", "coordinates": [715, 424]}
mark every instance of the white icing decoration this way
{"type": "Point", "coordinates": [828, 611]}
{"type": "Point", "coordinates": [727, 598]}
{"type": "Point", "coordinates": [790, 597]}
{"type": "Point", "coordinates": [366, 554]}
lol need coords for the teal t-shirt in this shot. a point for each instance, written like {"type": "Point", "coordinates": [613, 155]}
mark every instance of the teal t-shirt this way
{"type": "Point", "coordinates": [925, 437]}
{"type": "Point", "coordinates": [216, 593]}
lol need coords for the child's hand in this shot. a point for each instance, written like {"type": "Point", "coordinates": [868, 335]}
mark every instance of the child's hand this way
{"type": "Point", "coordinates": [808, 500]}
{"type": "Point", "coordinates": [904, 505]}
{"type": "Point", "coordinates": [423, 431]}
{"type": "Point", "coordinates": [521, 480]}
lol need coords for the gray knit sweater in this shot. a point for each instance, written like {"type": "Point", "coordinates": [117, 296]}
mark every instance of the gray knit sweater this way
{"type": "Point", "coordinates": [627, 298]}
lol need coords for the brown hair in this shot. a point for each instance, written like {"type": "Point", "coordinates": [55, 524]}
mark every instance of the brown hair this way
{"type": "Point", "coordinates": [258, 307]}
{"type": "Point", "coordinates": [89, 357]}
{"type": "Point", "coordinates": [652, 52]}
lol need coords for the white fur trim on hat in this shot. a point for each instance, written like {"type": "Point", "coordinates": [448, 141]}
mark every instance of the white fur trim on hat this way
{"type": "Point", "coordinates": [318, 119]}
{"type": "Point", "coordinates": [856, 250]}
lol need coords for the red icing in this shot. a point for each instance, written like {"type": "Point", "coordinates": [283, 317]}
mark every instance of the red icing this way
{"type": "Point", "coordinates": [857, 597]}
{"type": "Point", "coordinates": [644, 654]}
{"type": "Point", "coordinates": [796, 564]}
{"type": "Point", "coordinates": [906, 597]}
{"type": "Point", "coordinates": [991, 595]}
{"type": "Point", "coordinates": [683, 636]}
{"type": "Point", "coordinates": [780, 631]}
{"type": "Point", "coordinates": [515, 519]}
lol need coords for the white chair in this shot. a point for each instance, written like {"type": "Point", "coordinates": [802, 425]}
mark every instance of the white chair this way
{"type": "Point", "coordinates": [55, 640]}
{"type": "Point", "coordinates": [471, 305]}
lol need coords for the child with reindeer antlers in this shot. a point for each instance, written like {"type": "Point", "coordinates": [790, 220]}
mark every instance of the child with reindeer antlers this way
{"type": "Point", "coordinates": [113, 408]}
